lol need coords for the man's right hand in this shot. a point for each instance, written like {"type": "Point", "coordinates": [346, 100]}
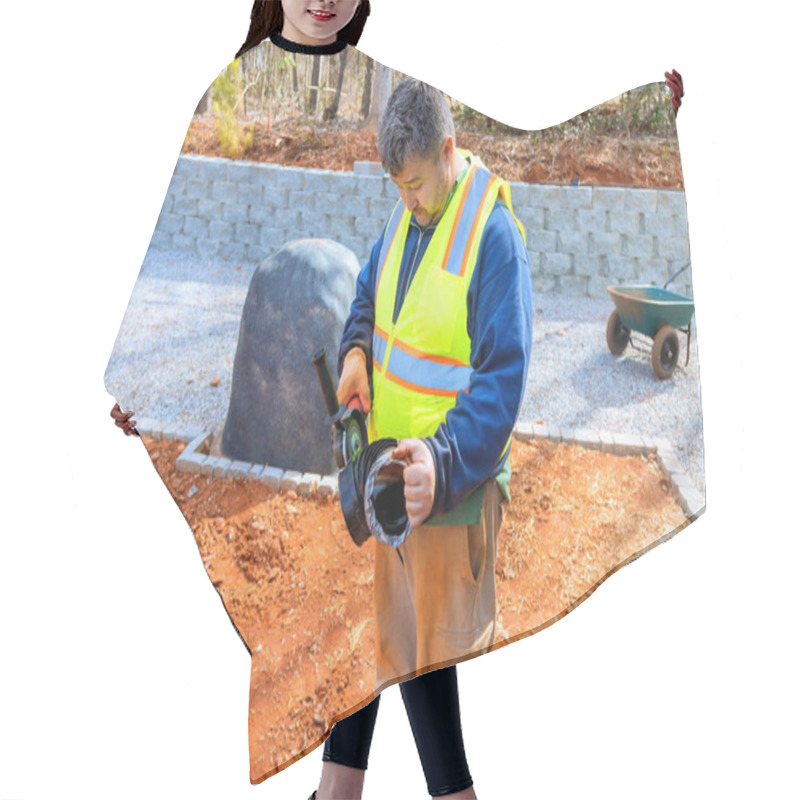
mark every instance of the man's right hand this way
{"type": "Point", "coordinates": [354, 381]}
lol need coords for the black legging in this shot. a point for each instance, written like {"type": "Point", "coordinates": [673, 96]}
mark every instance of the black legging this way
{"type": "Point", "coordinates": [431, 702]}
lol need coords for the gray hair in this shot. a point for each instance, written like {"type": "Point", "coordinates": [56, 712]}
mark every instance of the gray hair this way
{"type": "Point", "coordinates": [416, 121]}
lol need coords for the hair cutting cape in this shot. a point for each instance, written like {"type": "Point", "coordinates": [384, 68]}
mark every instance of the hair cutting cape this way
{"type": "Point", "coordinates": [271, 213]}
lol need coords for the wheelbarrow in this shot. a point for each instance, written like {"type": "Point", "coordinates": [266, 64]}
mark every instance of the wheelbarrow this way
{"type": "Point", "coordinates": [655, 313]}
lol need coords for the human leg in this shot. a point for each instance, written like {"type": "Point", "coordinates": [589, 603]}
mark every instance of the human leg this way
{"type": "Point", "coordinates": [346, 753]}
{"type": "Point", "coordinates": [431, 701]}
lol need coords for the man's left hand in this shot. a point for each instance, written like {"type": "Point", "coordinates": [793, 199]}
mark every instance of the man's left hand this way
{"type": "Point", "coordinates": [419, 477]}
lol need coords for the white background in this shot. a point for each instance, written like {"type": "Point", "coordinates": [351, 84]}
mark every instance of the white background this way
{"type": "Point", "coordinates": [120, 675]}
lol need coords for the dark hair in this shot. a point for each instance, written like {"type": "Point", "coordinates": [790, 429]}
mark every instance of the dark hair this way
{"type": "Point", "coordinates": [266, 19]}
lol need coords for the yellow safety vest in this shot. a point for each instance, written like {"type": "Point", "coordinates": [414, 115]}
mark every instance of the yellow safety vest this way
{"type": "Point", "coordinates": [421, 363]}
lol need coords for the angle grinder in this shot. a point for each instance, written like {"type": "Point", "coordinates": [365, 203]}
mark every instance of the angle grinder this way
{"type": "Point", "coordinates": [348, 421]}
{"type": "Point", "coordinates": [371, 485]}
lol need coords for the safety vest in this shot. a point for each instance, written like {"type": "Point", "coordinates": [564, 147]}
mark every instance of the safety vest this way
{"type": "Point", "coordinates": [422, 362]}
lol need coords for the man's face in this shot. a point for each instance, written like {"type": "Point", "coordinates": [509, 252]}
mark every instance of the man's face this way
{"type": "Point", "coordinates": [424, 185]}
{"type": "Point", "coordinates": [316, 19]}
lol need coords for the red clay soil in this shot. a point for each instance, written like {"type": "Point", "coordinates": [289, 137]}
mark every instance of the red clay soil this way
{"type": "Point", "coordinates": [596, 160]}
{"type": "Point", "coordinates": [300, 591]}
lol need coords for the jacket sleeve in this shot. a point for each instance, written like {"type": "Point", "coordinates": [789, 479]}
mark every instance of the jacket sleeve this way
{"type": "Point", "coordinates": [361, 321]}
{"type": "Point", "coordinates": [468, 444]}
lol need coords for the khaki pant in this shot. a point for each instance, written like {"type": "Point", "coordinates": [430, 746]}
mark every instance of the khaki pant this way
{"type": "Point", "coordinates": [435, 597]}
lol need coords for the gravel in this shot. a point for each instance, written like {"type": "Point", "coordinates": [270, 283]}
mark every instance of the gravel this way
{"type": "Point", "coordinates": [173, 360]}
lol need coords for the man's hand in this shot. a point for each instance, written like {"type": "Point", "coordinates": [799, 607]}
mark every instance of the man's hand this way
{"type": "Point", "coordinates": [419, 477]}
{"type": "Point", "coordinates": [124, 420]}
{"type": "Point", "coordinates": [354, 381]}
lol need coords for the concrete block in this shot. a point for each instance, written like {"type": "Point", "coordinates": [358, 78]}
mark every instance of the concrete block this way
{"type": "Point", "coordinates": [265, 174]}
{"type": "Point", "coordinates": [560, 219]}
{"type": "Point", "coordinates": [261, 215]}
{"type": "Point", "coordinates": [671, 201]}
{"type": "Point", "coordinates": [681, 480]}
{"type": "Point", "coordinates": [214, 168]}
{"type": "Point", "coordinates": [608, 197]}
{"type": "Point", "coordinates": [198, 189]}
{"type": "Point", "coordinates": [576, 196]}
{"type": "Point", "coordinates": [596, 286]}
{"type": "Point", "coordinates": [286, 219]}
{"type": "Point", "coordinates": [673, 249]}
{"type": "Point", "coordinates": [308, 484]}
{"type": "Point", "coordinates": [244, 233]}
{"type": "Point", "coordinates": [219, 466]}
{"type": "Point", "coordinates": [239, 469]}
{"type": "Point", "coordinates": [160, 240]}
{"type": "Point", "coordinates": [532, 219]}
{"type": "Point", "coordinates": [343, 225]}
{"type": "Point", "coordinates": [556, 264]}
{"type": "Point", "coordinates": [545, 284]}
{"type": "Point", "coordinates": [628, 444]}
{"type": "Point", "coordinates": [189, 435]}
{"type": "Point", "coordinates": [184, 243]}
{"type": "Point", "coordinates": [520, 193]}
{"type": "Point", "coordinates": [274, 196]}
{"type": "Point", "coordinates": [523, 431]}
{"type": "Point", "coordinates": [177, 186]}
{"type": "Point", "coordinates": [185, 206]}
{"type": "Point", "coordinates": [637, 246]}
{"type": "Point", "coordinates": [661, 225]}
{"type": "Point", "coordinates": [606, 441]}
{"type": "Point", "coordinates": [291, 480]}
{"type": "Point", "coordinates": [188, 164]}
{"type": "Point", "coordinates": [605, 243]}
{"type": "Point", "coordinates": [641, 200]}
{"type": "Point", "coordinates": [235, 212]}
{"type": "Point", "coordinates": [169, 223]}
{"type": "Point", "coordinates": [209, 209]}
{"type": "Point", "coordinates": [189, 462]}
{"type": "Point", "coordinates": [572, 242]}
{"type": "Point", "coordinates": [573, 285]}
{"type": "Point", "coordinates": [224, 191]}
{"type": "Point", "coordinates": [237, 172]}
{"type": "Point", "coordinates": [254, 473]}
{"type": "Point", "coordinates": [328, 486]}
{"type": "Point", "coordinates": [220, 231]}
{"type": "Point", "coordinates": [653, 271]}
{"type": "Point", "coordinates": [545, 196]}
{"type": "Point", "coordinates": [195, 227]}
{"type": "Point", "coordinates": [623, 268]}
{"type": "Point", "coordinates": [271, 477]}
{"type": "Point", "coordinates": [271, 238]}
{"type": "Point", "coordinates": [306, 201]}
{"type": "Point", "coordinates": [317, 180]}
{"type": "Point", "coordinates": [208, 248]}
{"type": "Point", "coordinates": [626, 222]}
{"type": "Point", "coordinates": [542, 241]}
{"type": "Point", "coordinates": [587, 438]}
{"type": "Point", "coordinates": [292, 178]}
{"type": "Point", "coordinates": [233, 251]}
{"type": "Point", "coordinates": [591, 220]}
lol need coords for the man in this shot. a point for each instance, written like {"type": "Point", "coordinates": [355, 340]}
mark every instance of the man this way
{"type": "Point", "coordinates": [436, 348]}
{"type": "Point", "coordinates": [441, 327]}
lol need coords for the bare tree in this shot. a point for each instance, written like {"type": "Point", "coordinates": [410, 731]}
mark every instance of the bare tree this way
{"type": "Point", "coordinates": [332, 111]}
{"type": "Point", "coordinates": [381, 91]}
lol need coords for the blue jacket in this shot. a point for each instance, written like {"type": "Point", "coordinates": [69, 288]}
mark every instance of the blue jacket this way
{"type": "Point", "coordinates": [467, 446]}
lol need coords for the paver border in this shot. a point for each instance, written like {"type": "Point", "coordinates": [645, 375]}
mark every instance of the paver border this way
{"type": "Point", "coordinates": [196, 459]}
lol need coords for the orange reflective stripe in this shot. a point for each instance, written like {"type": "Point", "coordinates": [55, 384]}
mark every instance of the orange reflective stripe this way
{"type": "Point", "coordinates": [467, 185]}
{"type": "Point", "coordinates": [413, 351]}
{"type": "Point", "coordinates": [421, 389]}
{"type": "Point", "coordinates": [475, 223]}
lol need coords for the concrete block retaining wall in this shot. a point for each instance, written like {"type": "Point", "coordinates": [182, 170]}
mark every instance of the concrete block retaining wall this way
{"type": "Point", "coordinates": [580, 238]}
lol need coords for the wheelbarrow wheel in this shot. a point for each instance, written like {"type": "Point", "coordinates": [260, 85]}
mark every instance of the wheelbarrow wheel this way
{"type": "Point", "coordinates": [617, 335]}
{"type": "Point", "coordinates": [665, 352]}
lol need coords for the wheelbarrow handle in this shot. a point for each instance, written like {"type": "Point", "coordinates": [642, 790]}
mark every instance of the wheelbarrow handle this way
{"type": "Point", "coordinates": [672, 278]}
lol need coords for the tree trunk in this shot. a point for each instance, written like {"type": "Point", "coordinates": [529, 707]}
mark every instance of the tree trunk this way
{"type": "Point", "coordinates": [381, 90]}
{"type": "Point", "coordinates": [367, 96]}
{"type": "Point", "coordinates": [332, 111]}
{"type": "Point", "coordinates": [312, 98]}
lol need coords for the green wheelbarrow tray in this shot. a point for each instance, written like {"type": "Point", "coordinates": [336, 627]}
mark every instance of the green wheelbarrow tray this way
{"type": "Point", "coordinates": [656, 313]}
